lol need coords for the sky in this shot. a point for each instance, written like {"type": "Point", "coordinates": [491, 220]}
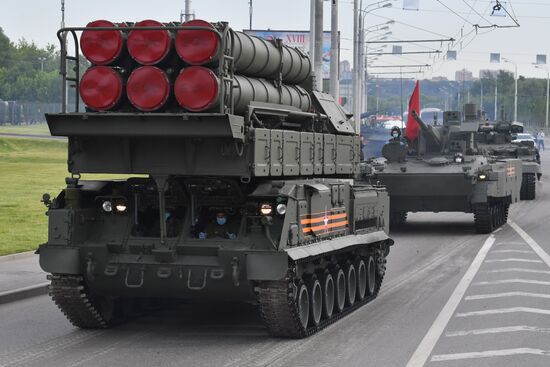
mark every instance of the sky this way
{"type": "Point", "coordinates": [38, 21]}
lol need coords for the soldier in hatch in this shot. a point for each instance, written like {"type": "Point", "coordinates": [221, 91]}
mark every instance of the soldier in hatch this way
{"type": "Point", "coordinates": [220, 228]}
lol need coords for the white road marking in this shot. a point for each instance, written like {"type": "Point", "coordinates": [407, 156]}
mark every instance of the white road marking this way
{"type": "Point", "coordinates": [521, 270]}
{"type": "Point", "coordinates": [490, 353]}
{"type": "Point", "coordinates": [513, 281]}
{"type": "Point", "coordinates": [497, 311]}
{"type": "Point", "coordinates": [497, 330]}
{"type": "Point", "coordinates": [531, 242]}
{"type": "Point", "coordinates": [513, 259]}
{"type": "Point", "coordinates": [511, 251]}
{"type": "Point", "coordinates": [520, 244]}
{"type": "Point", "coordinates": [425, 348]}
{"type": "Point", "coordinates": [506, 294]}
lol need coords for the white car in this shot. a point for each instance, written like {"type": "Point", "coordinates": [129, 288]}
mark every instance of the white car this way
{"type": "Point", "coordinates": [524, 137]}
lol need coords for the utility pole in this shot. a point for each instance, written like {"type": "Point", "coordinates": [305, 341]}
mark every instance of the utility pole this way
{"type": "Point", "coordinates": [318, 54]}
{"type": "Point", "coordinates": [334, 52]}
{"type": "Point", "coordinates": [65, 97]}
{"type": "Point", "coordinates": [362, 62]}
{"type": "Point", "coordinates": [516, 96]}
{"type": "Point", "coordinates": [496, 99]}
{"type": "Point", "coordinates": [355, 80]}
{"type": "Point", "coordinates": [312, 33]}
{"type": "Point", "coordinates": [62, 13]}
{"type": "Point", "coordinates": [481, 95]}
{"type": "Point", "coordinates": [250, 4]}
{"type": "Point", "coordinates": [187, 10]}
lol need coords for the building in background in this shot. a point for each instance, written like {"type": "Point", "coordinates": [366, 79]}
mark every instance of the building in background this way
{"type": "Point", "coordinates": [464, 75]}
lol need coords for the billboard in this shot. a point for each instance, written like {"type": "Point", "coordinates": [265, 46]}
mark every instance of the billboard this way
{"type": "Point", "coordinates": [299, 39]}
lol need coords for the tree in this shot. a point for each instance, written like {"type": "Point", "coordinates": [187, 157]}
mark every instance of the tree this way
{"type": "Point", "coordinates": [6, 50]}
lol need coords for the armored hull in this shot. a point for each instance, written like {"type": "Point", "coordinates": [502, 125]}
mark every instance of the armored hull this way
{"type": "Point", "coordinates": [253, 202]}
{"type": "Point", "coordinates": [444, 173]}
{"type": "Point", "coordinates": [419, 185]}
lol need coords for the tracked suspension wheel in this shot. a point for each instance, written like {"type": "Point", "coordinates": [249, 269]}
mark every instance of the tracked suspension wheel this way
{"type": "Point", "coordinates": [362, 277]}
{"type": "Point", "coordinates": [398, 218]}
{"type": "Point", "coordinates": [490, 216]}
{"type": "Point", "coordinates": [315, 301]}
{"type": "Point", "coordinates": [70, 294]}
{"type": "Point", "coordinates": [528, 186]}
{"type": "Point", "coordinates": [340, 287]}
{"type": "Point", "coordinates": [328, 294]}
{"type": "Point", "coordinates": [483, 218]}
{"type": "Point", "coordinates": [283, 303]}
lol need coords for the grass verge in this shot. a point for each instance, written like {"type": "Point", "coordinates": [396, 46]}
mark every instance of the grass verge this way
{"type": "Point", "coordinates": [37, 129]}
{"type": "Point", "coordinates": [28, 168]}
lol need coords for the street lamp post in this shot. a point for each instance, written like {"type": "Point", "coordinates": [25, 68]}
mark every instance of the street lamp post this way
{"type": "Point", "coordinates": [358, 27]}
{"type": "Point", "coordinates": [547, 90]}
{"type": "Point", "coordinates": [364, 65]}
{"type": "Point", "coordinates": [516, 87]}
{"type": "Point", "coordinates": [481, 95]}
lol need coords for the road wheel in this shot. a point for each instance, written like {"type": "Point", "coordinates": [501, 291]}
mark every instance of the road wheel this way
{"type": "Point", "coordinates": [362, 277]}
{"type": "Point", "coordinates": [315, 300]}
{"type": "Point", "coordinates": [397, 219]}
{"type": "Point", "coordinates": [528, 187]}
{"type": "Point", "coordinates": [483, 218]}
{"type": "Point", "coordinates": [328, 295]}
{"type": "Point", "coordinates": [340, 287]}
{"type": "Point", "coordinates": [303, 304]}
{"type": "Point", "coordinates": [351, 284]}
{"type": "Point", "coordinates": [505, 210]}
{"type": "Point", "coordinates": [371, 276]}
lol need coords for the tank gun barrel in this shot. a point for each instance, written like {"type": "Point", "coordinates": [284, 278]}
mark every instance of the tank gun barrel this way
{"type": "Point", "coordinates": [426, 131]}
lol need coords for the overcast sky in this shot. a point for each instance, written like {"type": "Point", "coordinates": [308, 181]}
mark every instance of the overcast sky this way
{"type": "Point", "coordinates": [38, 20]}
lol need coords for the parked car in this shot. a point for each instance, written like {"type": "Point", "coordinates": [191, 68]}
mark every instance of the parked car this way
{"type": "Point", "coordinates": [524, 137]}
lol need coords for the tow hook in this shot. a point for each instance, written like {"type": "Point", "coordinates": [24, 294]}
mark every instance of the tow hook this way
{"type": "Point", "coordinates": [236, 271]}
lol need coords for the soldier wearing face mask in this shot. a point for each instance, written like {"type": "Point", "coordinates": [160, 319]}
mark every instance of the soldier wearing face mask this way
{"type": "Point", "coordinates": [395, 134]}
{"type": "Point", "coordinates": [220, 228]}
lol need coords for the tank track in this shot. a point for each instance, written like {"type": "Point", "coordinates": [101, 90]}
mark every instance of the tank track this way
{"type": "Point", "coordinates": [528, 187]}
{"type": "Point", "coordinates": [490, 216]}
{"type": "Point", "coordinates": [70, 295]}
{"type": "Point", "coordinates": [398, 219]}
{"type": "Point", "coordinates": [279, 309]}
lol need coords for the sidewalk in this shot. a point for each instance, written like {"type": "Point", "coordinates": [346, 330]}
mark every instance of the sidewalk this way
{"type": "Point", "coordinates": [19, 272]}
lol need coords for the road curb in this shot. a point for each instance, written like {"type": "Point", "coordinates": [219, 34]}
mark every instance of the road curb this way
{"type": "Point", "coordinates": [20, 255]}
{"type": "Point", "coordinates": [23, 293]}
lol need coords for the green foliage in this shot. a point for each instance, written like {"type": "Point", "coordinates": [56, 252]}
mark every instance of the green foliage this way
{"type": "Point", "coordinates": [27, 72]}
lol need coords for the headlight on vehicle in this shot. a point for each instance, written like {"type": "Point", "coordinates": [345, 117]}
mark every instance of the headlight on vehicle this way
{"type": "Point", "coordinates": [482, 177]}
{"type": "Point", "coordinates": [266, 209]}
{"type": "Point", "coordinates": [281, 209]}
{"type": "Point", "coordinates": [107, 206]}
{"type": "Point", "coordinates": [458, 158]}
{"type": "Point", "coordinates": [121, 207]}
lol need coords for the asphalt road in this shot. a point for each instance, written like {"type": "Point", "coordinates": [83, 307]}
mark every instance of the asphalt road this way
{"type": "Point", "coordinates": [450, 298]}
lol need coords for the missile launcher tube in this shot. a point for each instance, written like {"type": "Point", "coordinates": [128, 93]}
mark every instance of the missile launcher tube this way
{"type": "Point", "coordinates": [260, 58]}
{"type": "Point", "coordinates": [245, 90]}
{"type": "Point", "coordinates": [253, 56]}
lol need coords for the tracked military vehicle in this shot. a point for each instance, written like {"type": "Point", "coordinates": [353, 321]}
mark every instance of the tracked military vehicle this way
{"type": "Point", "coordinates": [443, 170]}
{"type": "Point", "coordinates": [494, 139]}
{"type": "Point", "coordinates": [214, 127]}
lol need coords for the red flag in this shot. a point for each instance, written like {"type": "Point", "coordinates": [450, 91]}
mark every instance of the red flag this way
{"type": "Point", "coordinates": [414, 105]}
